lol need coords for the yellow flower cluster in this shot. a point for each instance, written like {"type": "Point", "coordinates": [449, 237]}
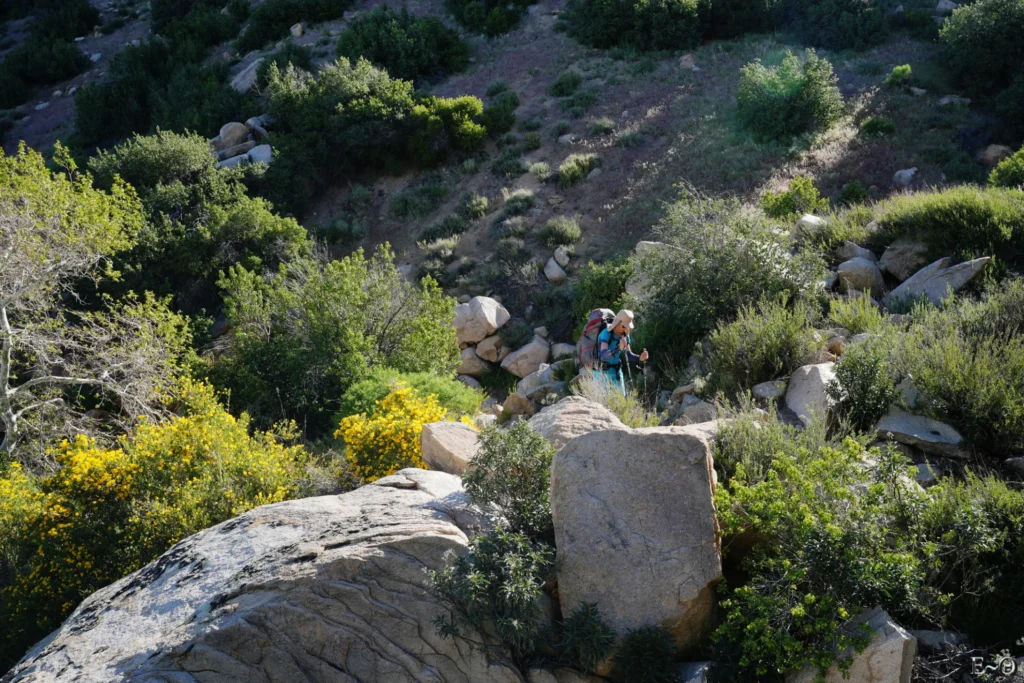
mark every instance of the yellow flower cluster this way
{"type": "Point", "coordinates": [389, 440]}
{"type": "Point", "coordinates": [105, 513]}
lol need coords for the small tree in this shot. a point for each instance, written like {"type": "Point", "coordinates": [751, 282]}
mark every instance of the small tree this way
{"type": "Point", "coordinates": [57, 232]}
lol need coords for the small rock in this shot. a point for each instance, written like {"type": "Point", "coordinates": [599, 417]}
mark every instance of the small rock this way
{"type": "Point", "coordinates": [233, 162]}
{"type": "Point", "coordinates": [528, 359]}
{"type": "Point", "coordinates": [679, 393]}
{"type": "Point", "coordinates": [555, 200]}
{"type": "Point", "coordinates": [553, 272]}
{"type": "Point", "coordinates": [688, 62]}
{"type": "Point", "coordinates": [136, 42]}
{"type": "Point", "coordinates": [918, 92]}
{"type": "Point", "coordinates": [58, 93]}
{"type": "Point", "coordinates": [490, 348]}
{"type": "Point", "coordinates": [480, 318]}
{"type": "Point", "coordinates": [470, 382]}
{"type": "Point", "coordinates": [697, 413]}
{"type": "Point", "coordinates": [806, 395]}
{"type": "Point", "coordinates": [693, 672]}
{"type": "Point", "coordinates": [261, 154]}
{"type": "Point", "coordinates": [848, 250]}
{"type": "Point", "coordinates": [945, 7]}
{"type": "Point", "coordinates": [541, 332]}
{"type": "Point", "coordinates": [449, 446]}
{"type": "Point", "coordinates": [863, 337]}
{"type": "Point", "coordinates": [862, 275]}
{"type": "Point", "coordinates": [925, 475]}
{"type": "Point", "coordinates": [95, 57]}
{"type": "Point", "coordinates": [41, 106]}
{"type": "Point", "coordinates": [72, 90]}
{"type": "Point", "coordinates": [297, 30]}
{"type": "Point", "coordinates": [245, 79]}
{"type": "Point", "coordinates": [993, 154]}
{"type": "Point", "coordinates": [937, 640]}
{"type": "Point", "coordinates": [519, 405]}
{"type": "Point", "coordinates": [807, 225]}
{"type": "Point", "coordinates": [1015, 464]}
{"type": "Point", "coordinates": [563, 351]}
{"type": "Point", "coordinates": [951, 100]}
{"type": "Point", "coordinates": [471, 364]}
{"type": "Point", "coordinates": [931, 436]}
{"type": "Point", "coordinates": [235, 150]}
{"type": "Point", "coordinates": [904, 177]}
{"type": "Point", "coordinates": [463, 299]}
{"type": "Point", "coordinates": [568, 139]}
{"type": "Point", "coordinates": [770, 391]}
{"type": "Point", "coordinates": [562, 256]}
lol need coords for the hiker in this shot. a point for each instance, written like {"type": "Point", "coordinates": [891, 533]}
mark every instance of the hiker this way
{"type": "Point", "coordinates": [613, 344]}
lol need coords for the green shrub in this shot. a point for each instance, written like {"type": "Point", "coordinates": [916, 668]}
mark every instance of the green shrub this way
{"type": "Point", "coordinates": [495, 589]}
{"type": "Point", "coordinates": [599, 285]}
{"type": "Point", "coordinates": [585, 639]}
{"type": "Point", "coordinates": [451, 225]}
{"type": "Point", "coordinates": [41, 61]}
{"type": "Point", "coordinates": [511, 477]}
{"type": "Point", "coordinates": [541, 171]}
{"type": "Point", "coordinates": [363, 396]}
{"type": "Point", "coordinates": [473, 206]}
{"type": "Point", "coordinates": [1010, 108]}
{"type": "Point", "coordinates": [864, 386]}
{"type": "Point", "coordinates": [776, 103]}
{"type": "Point", "coordinates": [500, 115]}
{"type": "Point", "coordinates": [982, 46]}
{"type": "Point", "coordinates": [271, 20]}
{"type": "Point", "coordinates": [495, 88]}
{"type": "Point", "coordinates": [566, 84]}
{"type": "Point", "coordinates": [576, 167]}
{"type": "Point", "coordinates": [344, 230]}
{"type": "Point", "coordinates": [765, 342]}
{"type": "Point", "coordinates": [630, 138]}
{"type": "Point", "coordinates": [508, 163]}
{"type": "Point", "coordinates": [800, 198]}
{"type": "Point", "coordinates": [646, 655]}
{"type": "Point", "coordinates": [660, 25]}
{"type": "Point", "coordinates": [290, 53]}
{"type": "Point", "coordinates": [969, 360]}
{"type": "Point", "coordinates": [749, 443]}
{"type": "Point", "coordinates": [517, 202]}
{"type": "Point", "coordinates": [490, 17]}
{"type": "Point", "coordinates": [418, 200]}
{"type": "Point", "coordinates": [839, 24]}
{"type": "Point", "coordinates": [965, 221]}
{"type": "Point", "coordinates": [602, 126]}
{"type": "Point", "coordinates": [531, 124]}
{"type": "Point", "coordinates": [734, 18]}
{"type": "Point", "coordinates": [877, 127]}
{"type": "Point", "coordinates": [64, 20]}
{"type": "Point", "coordinates": [857, 314]}
{"type": "Point", "coordinates": [532, 142]}
{"type": "Point", "coordinates": [405, 46]}
{"type": "Point", "coordinates": [720, 257]}
{"type": "Point", "coordinates": [899, 75]}
{"type": "Point", "coordinates": [560, 128]}
{"type": "Point", "coordinates": [560, 231]}
{"type": "Point", "coordinates": [1009, 172]}
{"type": "Point", "coordinates": [579, 102]}
{"type": "Point", "coordinates": [628, 406]}
{"type": "Point", "coordinates": [853, 193]}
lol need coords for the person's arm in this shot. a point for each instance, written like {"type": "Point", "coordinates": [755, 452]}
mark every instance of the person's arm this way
{"type": "Point", "coordinates": [630, 356]}
{"type": "Point", "coordinates": [604, 353]}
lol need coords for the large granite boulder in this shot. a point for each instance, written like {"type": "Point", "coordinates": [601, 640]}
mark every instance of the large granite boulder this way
{"type": "Point", "coordinates": [862, 275]}
{"type": "Point", "coordinates": [318, 589]}
{"type": "Point", "coordinates": [449, 446]}
{"type": "Point", "coordinates": [572, 417]}
{"type": "Point", "coordinates": [849, 250]}
{"type": "Point", "coordinates": [936, 281]}
{"type": "Point", "coordinates": [636, 529]}
{"type": "Point", "coordinates": [479, 319]}
{"type": "Point", "coordinates": [805, 394]}
{"type": "Point", "coordinates": [472, 364]}
{"type": "Point", "coordinates": [528, 359]}
{"type": "Point", "coordinates": [931, 436]}
{"type": "Point", "coordinates": [490, 348]}
{"type": "Point", "coordinates": [903, 258]}
{"type": "Point", "coordinates": [231, 134]}
{"type": "Point", "coordinates": [888, 658]}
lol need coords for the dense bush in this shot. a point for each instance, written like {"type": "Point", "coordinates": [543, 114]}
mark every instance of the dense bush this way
{"type": "Point", "coordinates": [284, 335]}
{"type": "Point", "coordinates": [500, 113]}
{"type": "Point", "coordinates": [801, 197]}
{"type": "Point", "coordinates": [510, 477]}
{"type": "Point", "coordinates": [585, 639]}
{"type": "Point", "coordinates": [839, 24]}
{"type": "Point", "coordinates": [776, 103]}
{"type": "Point", "coordinates": [490, 17]}
{"type": "Point", "coordinates": [405, 46]}
{"type": "Point", "coordinates": [656, 25]}
{"type": "Point", "coordinates": [576, 167]}
{"type": "Point", "coordinates": [561, 231]}
{"type": "Point", "coordinates": [877, 127]}
{"type": "Point", "coordinates": [495, 589]}
{"type": "Point", "coordinates": [456, 398]}
{"type": "Point", "coordinates": [37, 62]}
{"type": "Point", "coordinates": [599, 285]}
{"type": "Point", "coordinates": [719, 257]}
{"type": "Point", "coordinates": [388, 439]}
{"type": "Point", "coordinates": [299, 56]}
{"type": "Point", "coordinates": [625, 402]}
{"type": "Point", "coordinates": [966, 222]}
{"type": "Point", "coordinates": [1009, 172]}
{"type": "Point", "coordinates": [865, 384]}
{"type": "Point", "coordinates": [271, 20]}
{"type": "Point", "coordinates": [201, 221]}
{"type": "Point", "coordinates": [566, 84]}
{"type": "Point", "coordinates": [982, 46]}
{"type": "Point", "coordinates": [107, 512]}
{"type": "Point", "coordinates": [764, 342]}
{"type": "Point", "coordinates": [733, 18]}
{"type": "Point", "coordinates": [856, 314]}
{"type": "Point", "coordinates": [352, 117]}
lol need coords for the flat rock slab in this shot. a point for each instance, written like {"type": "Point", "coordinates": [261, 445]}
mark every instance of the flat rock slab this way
{"type": "Point", "coordinates": [931, 436]}
{"type": "Point", "coordinates": [806, 395]}
{"type": "Point", "coordinates": [449, 446]}
{"type": "Point", "coordinates": [320, 589]}
{"type": "Point", "coordinates": [636, 529]}
{"type": "Point", "coordinates": [572, 417]}
{"type": "Point", "coordinates": [936, 281]}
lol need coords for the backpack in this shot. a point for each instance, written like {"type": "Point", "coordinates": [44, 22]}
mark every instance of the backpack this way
{"type": "Point", "coordinates": [586, 346]}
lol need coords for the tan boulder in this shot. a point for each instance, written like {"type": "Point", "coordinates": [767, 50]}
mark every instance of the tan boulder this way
{"type": "Point", "coordinates": [806, 395]}
{"type": "Point", "coordinates": [993, 154]}
{"type": "Point", "coordinates": [572, 417]}
{"type": "Point", "coordinates": [479, 319]}
{"type": "Point", "coordinates": [490, 348]}
{"type": "Point", "coordinates": [937, 280]}
{"type": "Point", "coordinates": [471, 364]}
{"type": "Point", "coordinates": [449, 446]}
{"type": "Point", "coordinates": [529, 358]}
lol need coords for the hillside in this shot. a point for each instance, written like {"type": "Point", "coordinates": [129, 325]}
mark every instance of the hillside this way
{"type": "Point", "coordinates": [302, 374]}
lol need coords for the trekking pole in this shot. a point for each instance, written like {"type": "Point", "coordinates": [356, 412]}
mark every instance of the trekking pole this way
{"type": "Point", "coordinates": [629, 350]}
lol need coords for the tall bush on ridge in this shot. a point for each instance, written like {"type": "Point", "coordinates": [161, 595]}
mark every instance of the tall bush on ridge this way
{"type": "Point", "coordinates": [655, 25]}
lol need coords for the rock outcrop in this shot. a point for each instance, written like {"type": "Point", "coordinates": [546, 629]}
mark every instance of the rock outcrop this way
{"type": "Point", "coordinates": [636, 529]}
{"type": "Point", "coordinates": [806, 395]}
{"type": "Point", "coordinates": [936, 281]}
{"type": "Point", "coordinates": [479, 319]}
{"type": "Point", "coordinates": [471, 364]}
{"type": "Point", "coordinates": [529, 358]}
{"type": "Point", "coordinates": [903, 258]}
{"type": "Point", "coordinates": [931, 436]}
{"type": "Point", "coordinates": [319, 589]}
{"type": "Point", "coordinates": [888, 658]}
{"type": "Point", "coordinates": [449, 446]}
{"type": "Point", "coordinates": [860, 274]}
{"type": "Point", "coordinates": [572, 417]}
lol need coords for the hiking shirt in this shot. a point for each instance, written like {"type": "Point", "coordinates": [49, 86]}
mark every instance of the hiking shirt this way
{"type": "Point", "coordinates": [613, 354]}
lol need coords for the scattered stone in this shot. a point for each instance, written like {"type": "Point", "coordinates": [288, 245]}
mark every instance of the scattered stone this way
{"type": "Point", "coordinates": [931, 436]}
{"type": "Point", "coordinates": [806, 395]}
{"type": "Point", "coordinates": [848, 250]}
{"type": "Point", "coordinates": [1015, 464]}
{"type": "Point", "coordinates": [624, 499]}
{"type": "Point", "coordinates": [568, 139]}
{"type": "Point", "coordinates": [945, 7]}
{"type": "Point", "coordinates": [541, 332]}
{"type": "Point", "coordinates": [272, 595]}
{"type": "Point", "coordinates": [480, 318]}
{"type": "Point", "coordinates": [553, 272]}
{"type": "Point", "coordinates": [297, 30]}
{"type": "Point", "coordinates": [72, 90]}
{"type": "Point", "coordinates": [233, 162]}
{"type": "Point", "coordinates": [925, 475]}
{"type": "Point", "coordinates": [471, 364]}
{"type": "Point", "coordinates": [863, 337]}
{"type": "Point", "coordinates": [681, 392]}
{"type": "Point", "coordinates": [918, 92]}
{"type": "Point", "coordinates": [485, 420]}
{"type": "Point", "coordinates": [519, 405]}
{"type": "Point", "coordinates": [235, 150]}
{"type": "Point", "coordinates": [95, 57]}
{"type": "Point", "coordinates": [903, 258]}
{"type": "Point", "coordinates": [937, 640]}
{"type": "Point", "coordinates": [937, 280]}
{"type": "Point", "coordinates": [449, 446]}
{"type": "Point", "coordinates": [261, 154]}
{"type": "Point", "coordinates": [807, 225]}
{"type": "Point", "coordinates": [231, 134]}
{"type": "Point", "coordinates": [951, 100]}
{"type": "Point", "coordinates": [58, 93]}
{"type": "Point", "coordinates": [528, 359]}
{"type": "Point", "coordinates": [470, 382]}
{"type": "Point", "coordinates": [555, 200]}
{"type": "Point", "coordinates": [993, 154]}
{"type": "Point", "coordinates": [562, 256]}
{"type": "Point", "coordinates": [888, 658]}
{"type": "Point", "coordinates": [573, 417]}
{"type": "Point", "coordinates": [770, 391]}
{"type": "Point", "coordinates": [697, 413]}
{"type": "Point", "coordinates": [904, 177]}
{"type": "Point", "coordinates": [860, 274]}
{"type": "Point", "coordinates": [42, 105]}
{"type": "Point", "coordinates": [563, 351]}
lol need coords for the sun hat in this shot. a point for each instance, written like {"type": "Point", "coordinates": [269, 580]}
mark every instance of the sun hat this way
{"type": "Point", "coordinates": [625, 317]}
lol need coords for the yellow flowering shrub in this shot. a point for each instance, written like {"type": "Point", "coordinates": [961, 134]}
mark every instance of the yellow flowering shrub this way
{"type": "Point", "coordinates": [388, 440]}
{"type": "Point", "coordinates": [106, 512]}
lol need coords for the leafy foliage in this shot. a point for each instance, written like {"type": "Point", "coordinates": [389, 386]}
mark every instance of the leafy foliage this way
{"type": "Point", "coordinates": [981, 45]}
{"type": "Point", "coordinates": [646, 655]}
{"type": "Point", "coordinates": [856, 314]}
{"type": "Point", "coordinates": [405, 46]}
{"type": "Point", "coordinates": [1009, 172]}
{"type": "Point", "coordinates": [839, 24]}
{"type": "Point", "coordinates": [561, 231]}
{"type": "Point", "coordinates": [271, 20]}
{"type": "Point", "coordinates": [800, 198]}
{"type": "Point", "coordinates": [36, 62]}
{"type": "Point", "coordinates": [388, 440]}
{"type": "Point", "coordinates": [877, 127]}
{"type": "Point", "coordinates": [455, 397]}
{"type": "Point", "coordinates": [585, 639]}
{"type": "Point", "coordinates": [298, 55]}
{"type": "Point", "coordinates": [658, 25]}
{"type": "Point", "coordinates": [599, 285]}
{"type": "Point", "coordinates": [776, 103]}
{"type": "Point", "coordinates": [865, 384]}
{"type": "Point", "coordinates": [489, 17]}
{"type": "Point", "coordinates": [576, 167]}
